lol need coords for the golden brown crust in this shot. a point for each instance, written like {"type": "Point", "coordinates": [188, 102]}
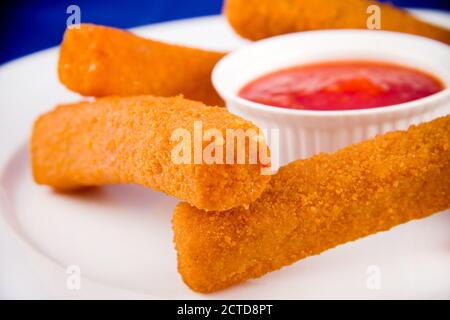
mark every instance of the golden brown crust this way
{"type": "Point", "coordinates": [259, 19]}
{"type": "Point", "coordinates": [100, 61]}
{"type": "Point", "coordinates": [313, 205]}
{"type": "Point", "coordinates": [128, 140]}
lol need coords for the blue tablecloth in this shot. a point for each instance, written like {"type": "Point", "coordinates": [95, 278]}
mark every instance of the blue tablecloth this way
{"type": "Point", "coordinates": [31, 25]}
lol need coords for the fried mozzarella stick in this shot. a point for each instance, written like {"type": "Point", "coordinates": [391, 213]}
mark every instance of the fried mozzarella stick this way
{"type": "Point", "coordinates": [258, 19]}
{"type": "Point", "coordinates": [100, 61]}
{"type": "Point", "coordinates": [134, 140]}
{"type": "Point", "coordinates": [316, 204]}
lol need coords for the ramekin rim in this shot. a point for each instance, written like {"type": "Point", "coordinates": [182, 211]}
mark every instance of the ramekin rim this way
{"type": "Point", "coordinates": [400, 107]}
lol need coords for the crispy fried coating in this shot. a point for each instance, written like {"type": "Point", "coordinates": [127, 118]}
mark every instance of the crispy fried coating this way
{"type": "Point", "coordinates": [131, 140]}
{"type": "Point", "coordinates": [258, 19]}
{"type": "Point", "coordinates": [101, 61]}
{"type": "Point", "coordinates": [316, 204]}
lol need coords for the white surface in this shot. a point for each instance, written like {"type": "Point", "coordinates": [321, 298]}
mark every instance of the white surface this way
{"type": "Point", "coordinates": [303, 133]}
{"type": "Point", "coordinates": [121, 236]}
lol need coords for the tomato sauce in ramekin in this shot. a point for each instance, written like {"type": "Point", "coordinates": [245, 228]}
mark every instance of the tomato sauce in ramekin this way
{"type": "Point", "coordinates": [341, 85]}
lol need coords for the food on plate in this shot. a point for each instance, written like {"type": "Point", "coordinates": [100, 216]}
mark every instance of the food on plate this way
{"type": "Point", "coordinates": [341, 85]}
{"type": "Point", "coordinates": [156, 142]}
{"type": "Point", "coordinates": [100, 61]}
{"type": "Point", "coordinates": [258, 19]}
{"type": "Point", "coordinates": [313, 205]}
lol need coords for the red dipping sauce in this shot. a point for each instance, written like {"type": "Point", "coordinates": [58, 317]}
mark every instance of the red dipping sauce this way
{"type": "Point", "coordinates": [342, 85]}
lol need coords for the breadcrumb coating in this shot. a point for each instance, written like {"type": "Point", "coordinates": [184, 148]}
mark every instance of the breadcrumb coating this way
{"type": "Point", "coordinates": [316, 204]}
{"type": "Point", "coordinates": [101, 61]}
{"type": "Point", "coordinates": [128, 140]}
{"type": "Point", "coordinates": [259, 19]}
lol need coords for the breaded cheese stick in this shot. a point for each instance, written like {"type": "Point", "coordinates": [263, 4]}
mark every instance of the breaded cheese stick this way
{"type": "Point", "coordinates": [316, 204]}
{"type": "Point", "coordinates": [134, 140]}
{"type": "Point", "coordinates": [258, 19]}
{"type": "Point", "coordinates": [101, 61]}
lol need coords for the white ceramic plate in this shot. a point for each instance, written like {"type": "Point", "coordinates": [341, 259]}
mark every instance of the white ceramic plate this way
{"type": "Point", "coordinates": [120, 236]}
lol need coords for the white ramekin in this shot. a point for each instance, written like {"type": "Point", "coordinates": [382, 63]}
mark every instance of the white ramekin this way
{"type": "Point", "coordinates": [303, 133]}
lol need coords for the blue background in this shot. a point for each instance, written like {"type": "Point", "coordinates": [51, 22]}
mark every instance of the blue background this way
{"type": "Point", "coordinates": [31, 25]}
